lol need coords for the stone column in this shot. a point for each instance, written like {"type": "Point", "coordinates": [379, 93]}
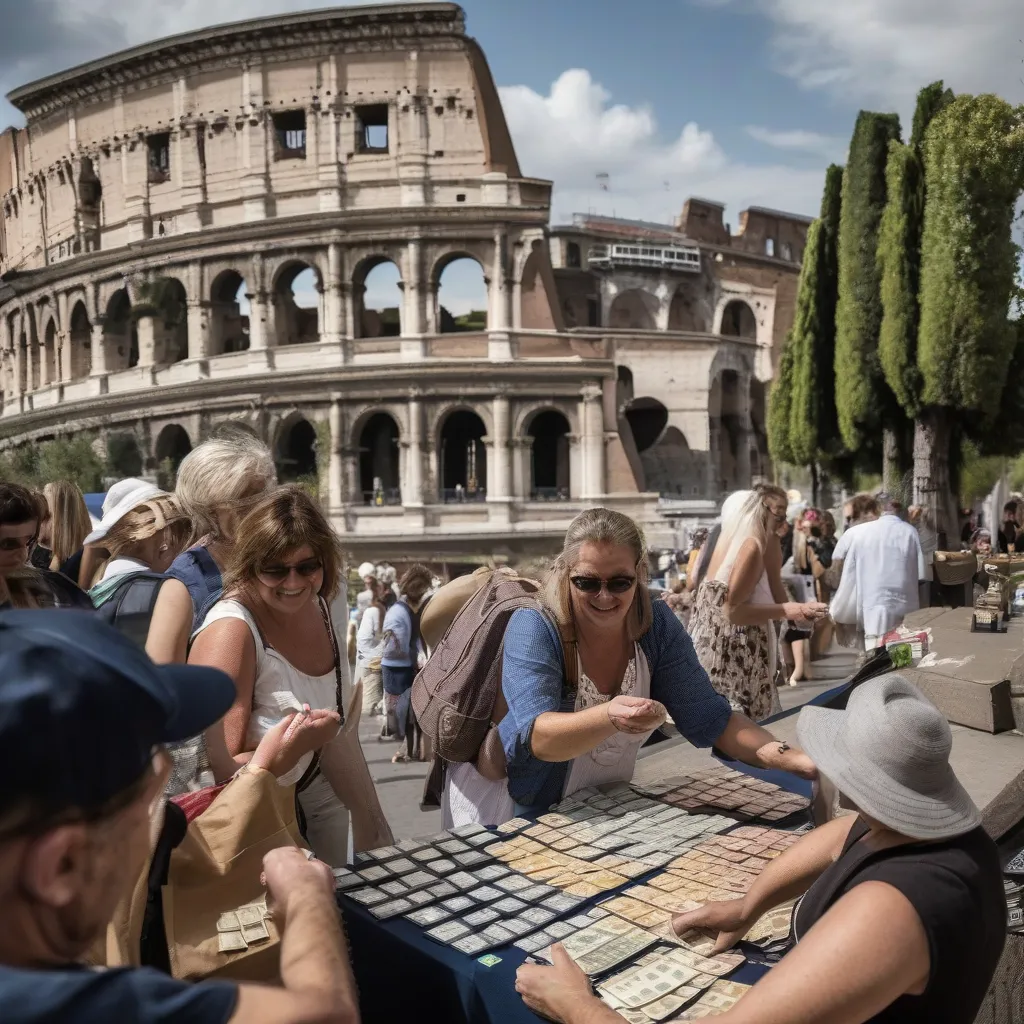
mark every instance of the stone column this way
{"type": "Point", "coordinates": [147, 340]}
{"type": "Point", "coordinates": [17, 363]}
{"type": "Point", "coordinates": [413, 327]}
{"type": "Point", "coordinates": [135, 170]}
{"type": "Point", "coordinates": [333, 332]}
{"type": "Point", "coordinates": [197, 311]}
{"type": "Point", "coordinates": [592, 442]}
{"type": "Point", "coordinates": [260, 326]}
{"type": "Point", "coordinates": [576, 463]}
{"type": "Point", "coordinates": [63, 354]}
{"type": "Point", "coordinates": [99, 351]}
{"type": "Point", "coordinates": [255, 179]}
{"type": "Point", "coordinates": [499, 468]}
{"type": "Point", "coordinates": [336, 468]}
{"type": "Point", "coordinates": [499, 343]}
{"type": "Point", "coordinates": [412, 482]}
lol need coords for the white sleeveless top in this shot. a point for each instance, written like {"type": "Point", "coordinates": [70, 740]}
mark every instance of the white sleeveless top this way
{"type": "Point", "coordinates": [279, 688]}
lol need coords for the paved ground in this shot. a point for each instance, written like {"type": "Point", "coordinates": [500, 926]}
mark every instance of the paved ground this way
{"type": "Point", "coordinates": [401, 785]}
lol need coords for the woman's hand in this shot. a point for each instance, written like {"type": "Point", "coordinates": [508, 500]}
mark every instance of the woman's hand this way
{"type": "Point", "coordinates": [293, 737]}
{"type": "Point", "coordinates": [726, 917]}
{"type": "Point", "coordinates": [635, 715]}
{"type": "Point", "coordinates": [809, 611]}
{"type": "Point", "coordinates": [554, 992]}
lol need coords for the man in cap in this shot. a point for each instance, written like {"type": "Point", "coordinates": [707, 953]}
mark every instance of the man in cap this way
{"type": "Point", "coordinates": [84, 715]}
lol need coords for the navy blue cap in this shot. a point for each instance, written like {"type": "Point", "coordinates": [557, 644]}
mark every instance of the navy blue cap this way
{"type": "Point", "coordinates": [82, 706]}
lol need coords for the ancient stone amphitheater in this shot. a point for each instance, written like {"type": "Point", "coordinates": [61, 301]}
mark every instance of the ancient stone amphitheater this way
{"type": "Point", "coordinates": [161, 205]}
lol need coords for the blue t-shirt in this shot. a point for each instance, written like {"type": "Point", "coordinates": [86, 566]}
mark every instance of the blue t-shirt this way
{"type": "Point", "coordinates": [128, 995]}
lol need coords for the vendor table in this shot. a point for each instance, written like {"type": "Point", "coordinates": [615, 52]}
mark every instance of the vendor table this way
{"type": "Point", "coordinates": [404, 976]}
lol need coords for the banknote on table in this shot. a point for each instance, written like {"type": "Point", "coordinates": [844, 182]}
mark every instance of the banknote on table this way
{"type": "Point", "coordinates": [722, 996]}
{"type": "Point", "coordinates": [513, 826]}
{"type": "Point", "coordinates": [427, 917]}
{"type": "Point", "coordinates": [620, 950]}
{"type": "Point", "coordinates": [771, 927]}
{"type": "Point", "coordinates": [640, 985]}
{"type": "Point", "coordinates": [231, 942]}
{"type": "Point", "coordinates": [698, 940]}
{"type": "Point", "coordinates": [257, 932]}
{"type": "Point", "coordinates": [718, 965]}
{"type": "Point", "coordinates": [448, 931]}
{"type": "Point", "coordinates": [383, 911]}
{"type": "Point", "coordinates": [471, 945]}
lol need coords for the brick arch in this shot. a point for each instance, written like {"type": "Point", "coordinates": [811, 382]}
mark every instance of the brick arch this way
{"type": "Point", "coordinates": [366, 412]}
{"type": "Point", "coordinates": [436, 419]}
{"type": "Point", "coordinates": [527, 413]}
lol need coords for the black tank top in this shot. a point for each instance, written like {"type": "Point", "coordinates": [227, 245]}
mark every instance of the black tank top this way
{"type": "Point", "coordinates": [956, 887]}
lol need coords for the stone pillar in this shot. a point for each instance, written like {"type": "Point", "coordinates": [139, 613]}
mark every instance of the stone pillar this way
{"type": "Point", "coordinates": [147, 341]}
{"type": "Point", "coordinates": [17, 387]}
{"type": "Point", "coordinates": [413, 344]}
{"type": "Point", "coordinates": [592, 418]}
{"type": "Point", "coordinates": [255, 179]}
{"type": "Point", "coordinates": [521, 449]}
{"type": "Point", "coordinates": [499, 343]}
{"type": "Point", "coordinates": [197, 311]}
{"type": "Point", "coordinates": [412, 481]}
{"type": "Point", "coordinates": [336, 468]}
{"type": "Point", "coordinates": [350, 475]}
{"type": "Point", "coordinates": [260, 325]}
{"type": "Point", "coordinates": [348, 302]}
{"type": "Point", "coordinates": [333, 332]}
{"type": "Point", "coordinates": [99, 351]}
{"type": "Point", "coordinates": [499, 467]}
{"type": "Point", "coordinates": [576, 464]}
{"type": "Point", "coordinates": [135, 171]}
{"type": "Point", "coordinates": [62, 356]}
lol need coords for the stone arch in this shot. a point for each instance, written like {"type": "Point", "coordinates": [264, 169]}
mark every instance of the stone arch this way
{"type": "Point", "coordinates": [229, 313]}
{"type": "Point", "coordinates": [462, 456]}
{"type": "Point", "coordinates": [647, 419]}
{"type": "Point", "coordinates": [623, 387]}
{"type": "Point", "coordinates": [50, 350]}
{"type": "Point", "coordinates": [738, 320]}
{"type": "Point", "coordinates": [124, 456]}
{"type": "Point", "coordinates": [671, 467]}
{"type": "Point", "coordinates": [378, 298]}
{"type": "Point", "coordinates": [80, 343]}
{"type": "Point", "coordinates": [549, 455]}
{"type": "Point", "coordinates": [461, 305]}
{"type": "Point", "coordinates": [172, 445]}
{"type": "Point", "coordinates": [684, 313]}
{"type": "Point", "coordinates": [295, 453]}
{"type": "Point", "coordinates": [379, 459]}
{"type": "Point", "coordinates": [170, 341]}
{"type": "Point", "coordinates": [297, 310]}
{"type": "Point", "coordinates": [634, 309]}
{"type": "Point", "coordinates": [120, 333]}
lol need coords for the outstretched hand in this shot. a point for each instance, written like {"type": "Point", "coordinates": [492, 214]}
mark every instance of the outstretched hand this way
{"type": "Point", "coordinates": [293, 737]}
{"type": "Point", "coordinates": [635, 714]}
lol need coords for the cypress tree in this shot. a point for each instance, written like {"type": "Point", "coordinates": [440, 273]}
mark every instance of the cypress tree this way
{"type": "Point", "coordinates": [860, 402]}
{"type": "Point", "coordinates": [829, 443]}
{"type": "Point", "coordinates": [780, 400]}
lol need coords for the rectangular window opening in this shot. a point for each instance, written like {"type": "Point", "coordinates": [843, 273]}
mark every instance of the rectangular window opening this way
{"type": "Point", "coordinates": [290, 135]}
{"type": "Point", "coordinates": [373, 128]}
{"type": "Point", "coordinates": [159, 157]}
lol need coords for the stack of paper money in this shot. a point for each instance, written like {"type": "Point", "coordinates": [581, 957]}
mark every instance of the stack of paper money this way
{"type": "Point", "coordinates": [239, 929]}
{"type": "Point", "coordinates": [603, 945]}
{"type": "Point", "coordinates": [722, 996]}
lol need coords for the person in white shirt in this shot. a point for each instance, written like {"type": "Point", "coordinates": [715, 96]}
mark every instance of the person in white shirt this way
{"type": "Point", "coordinates": [882, 566]}
{"type": "Point", "coordinates": [369, 647]}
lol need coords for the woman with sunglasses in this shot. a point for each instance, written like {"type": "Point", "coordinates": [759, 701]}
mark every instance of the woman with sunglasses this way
{"type": "Point", "coordinates": [272, 633]}
{"type": "Point", "coordinates": [740, 599]}
{"type": "Point", "coordinates": [633, 664]}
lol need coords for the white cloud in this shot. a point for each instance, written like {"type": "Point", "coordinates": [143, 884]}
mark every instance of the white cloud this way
{"type": "Point", "coordinates": [883, 51]}
{"type": "Point", "coordinates": [827, 146]}
{"type": "Point", "coordinates": [575, 133]}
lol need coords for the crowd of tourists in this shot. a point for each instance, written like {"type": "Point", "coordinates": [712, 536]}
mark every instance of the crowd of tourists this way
{"type": "Point", "coordinates": [178, 714]}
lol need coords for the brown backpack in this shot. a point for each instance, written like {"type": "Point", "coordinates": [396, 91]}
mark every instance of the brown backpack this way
{"type": "Point", "coordinates": [457, 696]}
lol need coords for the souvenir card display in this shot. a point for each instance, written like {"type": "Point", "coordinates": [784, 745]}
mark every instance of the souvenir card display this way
{"type": "Point", "coordinates": [728, 791]}
{"type": "Point", "coordinates": [722, 996]}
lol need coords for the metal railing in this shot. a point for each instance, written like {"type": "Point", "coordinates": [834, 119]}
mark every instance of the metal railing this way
{"type": "Point", "coordinates": [382, 497]}
{"type": "Point", "coordinates": [459, 495]}
{"type": "Point", "coordinates": [549, 494]}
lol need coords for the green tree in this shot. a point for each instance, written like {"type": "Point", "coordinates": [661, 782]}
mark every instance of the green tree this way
{"type": "Point", "coordinates": [863, 402]}
{"type": "Point", "coordinates": [780, 403]}
{"type": "Point", "coordinates": [974, 174]}
{"type": "Point", "coordinates": [73, 459]}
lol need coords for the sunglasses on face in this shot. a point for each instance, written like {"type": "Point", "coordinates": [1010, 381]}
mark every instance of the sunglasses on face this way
{"type": "Point", "coordinates": [279, 573]}
{"type": "Point", "coordinates": [17, 543]}
{"type": "Point", "coordinates": [593, 584]}
{"type": "Point", "coordinates": [779, 516]}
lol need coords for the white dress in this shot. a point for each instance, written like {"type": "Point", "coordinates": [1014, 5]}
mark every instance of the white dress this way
{"type": "Point", "coordinates": [469, 798]}
{"type": "Point", "coordinates": [279, 689]}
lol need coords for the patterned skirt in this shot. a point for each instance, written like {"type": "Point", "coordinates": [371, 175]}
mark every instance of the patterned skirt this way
{"type": "Point", "coordinates": [737, 659]}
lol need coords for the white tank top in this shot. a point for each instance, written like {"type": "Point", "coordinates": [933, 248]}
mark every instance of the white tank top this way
{"type": "Point", "coordinates": [279, 688]}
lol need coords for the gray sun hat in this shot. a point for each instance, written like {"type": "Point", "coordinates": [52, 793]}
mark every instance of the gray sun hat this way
{"type": "Point", "coordinates": [889, 753]}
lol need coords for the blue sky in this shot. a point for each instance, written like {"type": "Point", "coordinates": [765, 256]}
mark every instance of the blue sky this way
{"type": "Point", "coordinates": [744, 101]}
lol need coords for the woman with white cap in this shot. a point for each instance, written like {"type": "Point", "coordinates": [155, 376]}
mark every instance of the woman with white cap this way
{"type": "Point", "coordinates": [902, 916]}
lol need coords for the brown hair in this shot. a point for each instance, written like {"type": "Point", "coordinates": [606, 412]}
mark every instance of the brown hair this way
{"type": "Point", "coordinates": [416, 574]}
{"type": "Point", "coordinates": [18, 505]}
{"type": "Point", "coordinates": [71, 522]}
{"type": "Point", "coordinates": [600, 526]}
{"type": "Point", "coordinates": [283, 520]}
{"type": "Point", "coordinates": [863, 505]}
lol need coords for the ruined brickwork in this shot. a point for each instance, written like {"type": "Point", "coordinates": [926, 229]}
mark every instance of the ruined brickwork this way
{"type": "Point", "coordinates": [159, 205]}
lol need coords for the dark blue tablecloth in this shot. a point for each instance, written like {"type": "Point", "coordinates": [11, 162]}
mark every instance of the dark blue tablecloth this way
{"type": "Point", "coordinates": [404, 976]}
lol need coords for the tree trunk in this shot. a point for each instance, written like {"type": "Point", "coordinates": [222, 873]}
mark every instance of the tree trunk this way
{"type": "Point", "coordinates": [933, 432]}
{"type": "Point", "coordinates": [815, 487]}
{"type": "Point", "coordinates": [891, 472]}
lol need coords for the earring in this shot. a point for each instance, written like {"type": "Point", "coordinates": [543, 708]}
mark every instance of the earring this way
{"type": "Point", "coordinates": [163, 548]}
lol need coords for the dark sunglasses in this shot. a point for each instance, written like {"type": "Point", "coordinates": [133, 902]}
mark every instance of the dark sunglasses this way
{"type": "Point", "coordinates": [16, 544]}
{"type": "Point", "coordinates": [279, 573]}
{"type": "Point", "coordinates": [593, 584]}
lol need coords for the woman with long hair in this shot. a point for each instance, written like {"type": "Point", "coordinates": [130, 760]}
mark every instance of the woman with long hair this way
{"type": "Point", "coordinates": [740, 599]}
{"type": "Point", "coordinates": [64, 526]}
{"type": "Point", "coordinates": [632, 664]}
{"type": "Point", "coordinates": [218, 482]}
{"type": "Point", "coordinates": [272, 633]}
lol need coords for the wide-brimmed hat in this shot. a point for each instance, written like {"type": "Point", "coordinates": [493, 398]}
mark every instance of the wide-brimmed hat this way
{"type": "Point", "coordinates": [889, 753]}
{"type": "Point", "coordinates": [126, 495]}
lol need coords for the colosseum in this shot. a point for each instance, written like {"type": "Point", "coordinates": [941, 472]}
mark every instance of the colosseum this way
{"type": "Point", "coordinates": [163, 206]}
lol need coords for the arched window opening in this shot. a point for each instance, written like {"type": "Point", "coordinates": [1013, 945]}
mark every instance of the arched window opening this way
{"type": "Point", "coordinates": [297, 305]}
{"type": "Point", "coordinates": [229, 314]}
{"type": "Point", "coordinates": [685, 312]}
{"type": "Point", "coordinates": [462, 297]}
{"type": "Point", "coordinates": [633, 310]}
{"type": "Point", "coordinates": [549, 457]}
{"type": "Point", "coordinates": [380, 313]}
{"type": "Point", "coordinates": [50, 374]}
{"type": "Point", "coordinates": [296, 455]}
{"type": "Point", "coordinates": [378, 461]}
{"type": "Point", "coordinates": [123, 455]}
{"type": "Point", "coordinates": [120, 333]}
{"type": "Point", "coordinates": [463, 458]}
{"type": "Point", "coordinates": [647, 418]}
{"type": "Point", "coordinates": [81, 343]}
{"type": "Point", "coordinates": [729, 436]}
{"type": "Point", "coordinates": [738, 320]}
{"type": "Point", "coordinates": [171, 340]}
{"type": "Point", "coordinates": [172, 446]}
{"type": "Point", "coordinates": [769, 247]}
{"type": "Point", "coordinates": [572, 256]}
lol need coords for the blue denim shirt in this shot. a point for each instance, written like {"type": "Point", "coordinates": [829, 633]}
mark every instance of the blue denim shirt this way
{"type": "Point", "coordinates": [532, 677]}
